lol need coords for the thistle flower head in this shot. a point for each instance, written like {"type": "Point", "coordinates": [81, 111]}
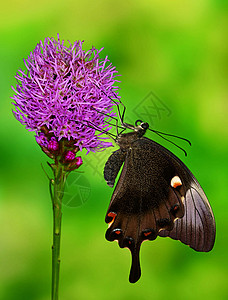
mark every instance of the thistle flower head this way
{"type": "Point", "coordinates": [65, 95]}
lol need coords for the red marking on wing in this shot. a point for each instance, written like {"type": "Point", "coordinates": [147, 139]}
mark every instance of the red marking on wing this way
{"type": "Point", "coordinates": [113, 216]}
{"type": "Point", "coordinates": [147, 233]}
{"type": "Point", "coordinates": [117, 232]}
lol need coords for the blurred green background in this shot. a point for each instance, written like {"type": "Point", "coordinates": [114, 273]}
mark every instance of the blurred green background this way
{"type": "Point", "coordinates": [179, 51]}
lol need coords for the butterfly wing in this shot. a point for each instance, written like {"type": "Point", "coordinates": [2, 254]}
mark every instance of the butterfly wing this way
{"type": "Point", "coordinates": [197, 227]}
{"type": "Point", "coordinates": [113, 166]}
{"type": "Point", "coordinates": [154, 193]}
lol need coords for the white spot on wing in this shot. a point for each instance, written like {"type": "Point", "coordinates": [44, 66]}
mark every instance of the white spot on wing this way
{"type": "Point", "coordinates": [175, 181]}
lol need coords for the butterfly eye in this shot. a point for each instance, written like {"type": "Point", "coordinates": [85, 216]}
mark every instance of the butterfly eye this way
{"type": "Point", "coordinates": [145, 125]}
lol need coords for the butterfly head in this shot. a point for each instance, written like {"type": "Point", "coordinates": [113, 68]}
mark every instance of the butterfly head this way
{"type": "Point", "coordinates": [141, 127]}
{"type": "Point", "coordinates": [124, 140]}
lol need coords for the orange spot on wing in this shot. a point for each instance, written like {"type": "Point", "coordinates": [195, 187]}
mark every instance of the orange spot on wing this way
{"type": "Point", "coordinates": [176, 184]}
{"type": "Point", "coordinates": [113, 216]}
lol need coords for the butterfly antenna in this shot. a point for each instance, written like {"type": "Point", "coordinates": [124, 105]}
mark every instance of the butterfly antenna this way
{"type": "Point", "coordinates": [176, 136]}
{"type": "Point", "coordinates": [185, 153]}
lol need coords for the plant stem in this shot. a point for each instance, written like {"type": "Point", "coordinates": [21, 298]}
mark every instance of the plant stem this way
{"type": "Point", "coordinates": [59, 184]}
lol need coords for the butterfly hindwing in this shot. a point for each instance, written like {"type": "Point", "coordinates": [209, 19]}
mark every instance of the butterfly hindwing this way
{"type": "Point", "coordinates": [153, 197]}
{"type": "Point", "coordinates": [197, 227]}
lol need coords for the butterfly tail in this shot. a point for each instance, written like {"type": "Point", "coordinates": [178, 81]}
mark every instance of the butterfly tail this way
{"type": "Point", "coordinates": [135, 272]}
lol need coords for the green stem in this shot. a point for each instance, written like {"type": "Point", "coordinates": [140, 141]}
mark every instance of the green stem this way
{"type": "Point", "coordinates": [59, 184]}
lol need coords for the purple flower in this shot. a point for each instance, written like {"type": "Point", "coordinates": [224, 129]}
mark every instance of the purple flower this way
{"type": "Point", "coordinates": [69, 156]}
{"type": "Point", "coordinates": [53, 145]}
{"type": "Point", "coordinates": [42, 140]}
{"type": "Point", "coordinates": [78, 161]}
{"type": "Point", "coordinates": [65, 95]}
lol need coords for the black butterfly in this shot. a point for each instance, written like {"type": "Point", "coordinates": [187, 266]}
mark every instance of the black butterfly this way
{"type": "Point", "coordinates": [156, 195]}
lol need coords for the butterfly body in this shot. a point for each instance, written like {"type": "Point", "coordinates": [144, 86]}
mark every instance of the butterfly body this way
{"type": "Point", "coordinates": [156, 194]}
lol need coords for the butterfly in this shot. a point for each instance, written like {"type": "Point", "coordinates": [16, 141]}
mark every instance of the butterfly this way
{"type": "Point", "coordinates": [156, 195]}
